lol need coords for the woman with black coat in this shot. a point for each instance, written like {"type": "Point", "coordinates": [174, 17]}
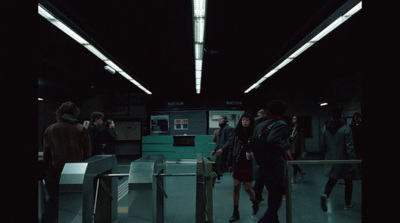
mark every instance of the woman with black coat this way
{"type": "Point", "coordinates": [241, 164]}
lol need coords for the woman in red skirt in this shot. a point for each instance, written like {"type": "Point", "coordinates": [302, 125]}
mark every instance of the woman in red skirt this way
{"type": "Point", "coordinates": [241, 164]}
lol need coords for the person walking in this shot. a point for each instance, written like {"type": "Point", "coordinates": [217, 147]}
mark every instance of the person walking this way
{"type": "Point", "coordinates": [223, 146]}
{"type": "Point", "coordinates": [63, 142]}
{"type": "Point", "coordinates": [95, 132]}
{"type": "Point", "coordinates": [297, 147]}
{"type": "Point", "coordinates": [240, 161]}
{"type": "Point", "coordinates": [272, 174]}
{"type": "Point", "coordinates": [337, 144]}
{"type": "Point", "coordinates": [111, 137]}
{"type": "Point", "coordinates": [357, 127]}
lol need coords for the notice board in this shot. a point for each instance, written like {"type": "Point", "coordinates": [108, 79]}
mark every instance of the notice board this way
{"type": "Point", "coordinates": [128, 130]}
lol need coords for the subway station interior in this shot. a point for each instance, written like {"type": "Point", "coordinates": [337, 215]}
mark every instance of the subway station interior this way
{"type": "Point", "coordinates": [166, 71]}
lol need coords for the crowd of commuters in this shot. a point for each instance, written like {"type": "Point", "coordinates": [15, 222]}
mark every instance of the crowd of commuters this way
{"type": "Point", "coordinates": [67, 140]}
{"type": "Point", "coordinates": [339, 141]}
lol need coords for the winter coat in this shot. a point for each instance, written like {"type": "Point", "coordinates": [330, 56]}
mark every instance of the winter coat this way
{"type": "Point", "coordinates": [337, 144]}
{"type": "Point", "coordinates": [111, 137]}
{"type": "Point", "coordinates": [278, 137]}
{"type": "Point", "coordinates": [97, 138]}
{"type": "Point", "coordinates": [225, 139]}
{"type": "Point", "coordinates": [297, 143]}
{"type": "Point", "coordinates": [64, 142]}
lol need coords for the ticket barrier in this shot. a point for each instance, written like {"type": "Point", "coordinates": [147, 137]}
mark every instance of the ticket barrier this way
{"type": "Point", "coordinates": [86, 197]}
{"type": "Point", "coordinates": [204, 196]}
{"type": "Point", "coordinates": [146, 196]}
{"type": "Point", "coordinates": [146, 189]}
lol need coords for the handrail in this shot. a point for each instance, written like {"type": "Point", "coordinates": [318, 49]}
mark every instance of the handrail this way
{"type": "Point", "coordinates": [289, 176]}
{"type": "Point", "coordinates": [295, 162]}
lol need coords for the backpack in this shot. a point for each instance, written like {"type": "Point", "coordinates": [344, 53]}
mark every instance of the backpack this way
{"type": "Point", "coordinates": [264, 152]}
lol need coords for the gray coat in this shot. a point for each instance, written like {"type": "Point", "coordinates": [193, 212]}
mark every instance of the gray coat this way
{"type": "Point", "coordinates": [278, 137]}
{"type": "Point", "coordinates": [337, 144]}
{"type": "Point", "coordinates": [225, 139]}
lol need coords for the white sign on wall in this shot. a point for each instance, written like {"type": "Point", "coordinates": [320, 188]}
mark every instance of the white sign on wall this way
{"type": "Point", "coordinates": [233, 118]}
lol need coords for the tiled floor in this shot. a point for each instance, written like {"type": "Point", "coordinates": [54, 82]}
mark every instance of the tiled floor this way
{"type": "Point", "coordinates": [181, 202]}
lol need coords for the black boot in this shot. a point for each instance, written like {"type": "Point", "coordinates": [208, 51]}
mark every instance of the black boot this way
{"type": "Point", "coordinates": [255, 205]}
{"type": "Point", "coordinates": [235, 215]}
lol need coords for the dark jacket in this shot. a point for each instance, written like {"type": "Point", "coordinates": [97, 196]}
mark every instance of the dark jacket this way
{"type": "Point", "coordinates": [97, 138]}
{"type": "Point", "coordinates": [64, 142]}
{"type": "Point", "coordinates": [297, 142]}
{"type": "Point", "coordinates": [111, 137]}
{"type": "Point", "coordinates": [238, 152]}
{"type": "Point", "coordinates": [278, 136]}
{"type": "Point", "coordinates": [225, 139]}
{"type": "Point", "coordinates": [337, 144]}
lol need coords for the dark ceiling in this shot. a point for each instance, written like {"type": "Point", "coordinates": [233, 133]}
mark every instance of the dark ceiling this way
{"type": "Point", "coordinates": [153, 40]}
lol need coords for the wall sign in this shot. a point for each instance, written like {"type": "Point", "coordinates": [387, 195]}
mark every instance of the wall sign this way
{"type": "Point", "coordinates": [181, 124]}
{"type": "Point", "coordinates": [233, 118]}
{"type": "Point", "coordinates": [159, 124]}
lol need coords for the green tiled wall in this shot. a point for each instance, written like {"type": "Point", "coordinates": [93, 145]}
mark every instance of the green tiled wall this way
{"type": "Point", "coordinates": [164, 145]}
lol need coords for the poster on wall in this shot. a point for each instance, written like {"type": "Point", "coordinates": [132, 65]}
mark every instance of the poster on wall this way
{"type": "Point", "coordinates": [128, 130]}
{"type": "Point", "coordinates": [181, 124]}
{"type": "Point", "coordinates": [159, 123]}
{"type": "Point", "coordinates": [233, 118]}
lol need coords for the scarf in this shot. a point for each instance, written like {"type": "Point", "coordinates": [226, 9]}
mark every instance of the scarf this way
{"type": "Point", "coordinates": [271, 118]}
{"type": "Point", "coordinates": [69, 118]}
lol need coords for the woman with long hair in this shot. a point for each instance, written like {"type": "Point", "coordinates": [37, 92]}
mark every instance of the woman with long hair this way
{"type": "Point", "coordinates": [240, 161]}
{"type": "Point", "coordinates": [297, 147]}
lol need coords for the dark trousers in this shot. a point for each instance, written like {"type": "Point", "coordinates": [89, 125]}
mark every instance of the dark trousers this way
{"type": "Point", "coordinates": [51, 206]}
{"type": "Point", "coordinates": [273, 178]}
{"type": "Point", "coordinates": [221, 163]}
{"type": "Point", "coordinates": [348, 189]}
{"type": "Point", "coordinates": [296, 168]}
{"type": "Point", "coordinates": [258, 188]}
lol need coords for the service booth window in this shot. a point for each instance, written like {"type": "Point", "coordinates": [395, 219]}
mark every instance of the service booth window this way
{"type": "Point", "coordinates": [159, 124]}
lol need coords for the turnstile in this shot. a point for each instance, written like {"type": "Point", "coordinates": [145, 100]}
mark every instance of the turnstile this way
{"type": "Point", "coordinates": [146, 196]}
{"type": "Point", "coordinates": [86, 197]}
{"type": "Point", "coordinates": [88, 190]}
{"type": "Point", "coordinates": [146, 189]}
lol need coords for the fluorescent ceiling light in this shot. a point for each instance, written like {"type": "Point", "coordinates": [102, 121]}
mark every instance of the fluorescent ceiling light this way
{"type": "Point", "coordinates": [112, 67]}
{"type": "Point", "coordinates": [199, 7]}
{"type": "Point", "coordinates": [198, 50]}
{"type": "Point", "coordinates": [95, 52]}
{"type": "Point", "coordinates": [323, 104]}
{"type": "Point", "coordinates": [301, 50]}
{"type": "Point", "coordinates": [199, 64]}
{"type": "Point", "coordinates": [199, 13]}
{"type": "Point", "coordinates": [199, 30]}
{"type": "Point", "coordinates": [284, 63]}
{"type": "Point", "coordinates": [125, 75]}
{"type": "Point", "coordinates": [198, 74]}
{"type": "Point", "coordinates": [308, 43]}
{"type": "Point", "coordinates": [40, 99]}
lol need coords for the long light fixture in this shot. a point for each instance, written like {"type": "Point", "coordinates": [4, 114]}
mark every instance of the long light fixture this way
{"type": "Point", "coordinates": [199, 17]}
{"type": "Point", "coordinates": [59, 24]}
{"type": "Point", "coordinates": [350, 8]}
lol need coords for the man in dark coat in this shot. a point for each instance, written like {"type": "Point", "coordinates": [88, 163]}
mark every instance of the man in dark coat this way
{"type": "Point", "coordinates": [224, 145]}
{"type": "Point", "coordinates": [337, 144]}
{"type": "Point", "coordinates": [96, 135]}
{"type": "Point", "coordinates": [65, 141]}
{"type": "Point", "coordinates": [273, 174]}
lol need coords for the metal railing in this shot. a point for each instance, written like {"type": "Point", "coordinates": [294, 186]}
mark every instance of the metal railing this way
{"type": "Point", "coordinates": [306, 162]}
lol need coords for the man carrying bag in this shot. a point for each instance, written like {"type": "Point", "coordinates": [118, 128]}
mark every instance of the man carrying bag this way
{"type": "Point", "coordinates": [269, 144]}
